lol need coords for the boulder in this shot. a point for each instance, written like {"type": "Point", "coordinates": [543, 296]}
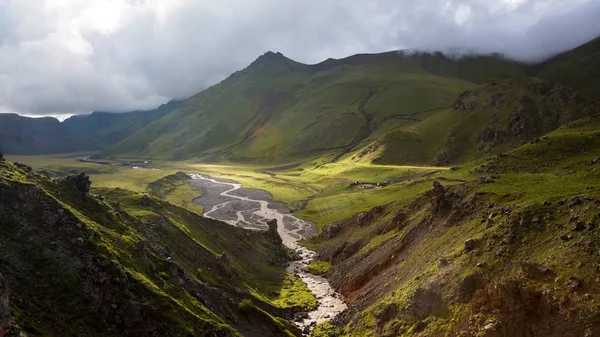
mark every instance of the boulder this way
{"type": "Point", "coordinates": [80, 181]}
{"type": "Point", "coordinates": [471, 244]}
{"type": "Point", "coordinates": [574, 283]}
{"type": "Point", "coordinates": [438, 189]}
{"type": "Point", "coordinates": [225, 265]}
{"type": "Point", "coordinates": [331, 231]}
{"type": "Point", "coordinates": [299, 316]}
{"type": "Point", "coordinates": [578, 226]}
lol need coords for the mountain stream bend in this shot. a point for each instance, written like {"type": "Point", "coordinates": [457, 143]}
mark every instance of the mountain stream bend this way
{"type": "Point", "coordinates": [227, 201]}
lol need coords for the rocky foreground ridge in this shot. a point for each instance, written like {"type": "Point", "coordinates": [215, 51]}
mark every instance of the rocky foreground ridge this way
{"type": "Point", "coordinates": [122, 263]}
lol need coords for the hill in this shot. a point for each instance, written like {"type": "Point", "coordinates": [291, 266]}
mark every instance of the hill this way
{"type": "Point", "coordinates": [281, 110]}
{"type": "Point", "coordinates": [105, 128]}
{"type": "Point", "coordinates": [505, 246]}
{"type": "Point", "coordinates": [118, 262]}
{"type": "Point", "coordinates": [278, 108]}
{"type": "Point", "coordinates": [578, 69]}
{"type": "Point", "coordinates": [487, 120]}
{"type": "Point", "coordinates": [24, 135]}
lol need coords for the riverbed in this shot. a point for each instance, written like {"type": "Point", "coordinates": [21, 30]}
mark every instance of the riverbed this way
{"type": "Point", "coordinates": [227, 201]}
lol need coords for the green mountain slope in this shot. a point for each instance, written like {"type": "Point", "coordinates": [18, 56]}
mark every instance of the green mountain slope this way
{"type": "Point", "coordinates": [23, 135]}
{"type": "Point", "coordinates": [487, 120]}
{"type": "Point", "coordinates": [280, 108]}
{"type": "Point", "coordinates": [105, 128]}
{"type": "Point", "coordinates": [506, 246]}
{"type": "Point", "coordinates": [578, 69]}
{"type": "Point", "coordinates": [123, 263]}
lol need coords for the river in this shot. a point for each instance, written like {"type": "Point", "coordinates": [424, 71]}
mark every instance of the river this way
{"type": "Point", "coordinates": [227, 201]}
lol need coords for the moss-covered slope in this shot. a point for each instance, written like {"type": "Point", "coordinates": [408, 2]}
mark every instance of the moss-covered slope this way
{"type": "Point", "coordinates": [489, 119]}
{"type": "Point", "coordinates": [117, 263]}
{"type": "Point", "coordinates": [512, 251]}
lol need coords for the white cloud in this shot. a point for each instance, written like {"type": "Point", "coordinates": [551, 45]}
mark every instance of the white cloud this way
{"type": "Point", "coordinates": [74, 56]}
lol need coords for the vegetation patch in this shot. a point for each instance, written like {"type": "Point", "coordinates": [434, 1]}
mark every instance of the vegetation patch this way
{"type": "Point", "coordinates": [317, 267]}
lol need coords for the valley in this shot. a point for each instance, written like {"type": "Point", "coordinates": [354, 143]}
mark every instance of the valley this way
{"type": "Point", "coordinates": [378, 195]}
{"type": "Point", "coordinates": [242, 203]}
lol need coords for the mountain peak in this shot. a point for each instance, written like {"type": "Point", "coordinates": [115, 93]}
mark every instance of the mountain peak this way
{"type": "Point", "coordinates": [269, 58]}
{"type": "Point", "coordinates": [274, 64]}
{"type": "Point", "coordinates": [272, 55]}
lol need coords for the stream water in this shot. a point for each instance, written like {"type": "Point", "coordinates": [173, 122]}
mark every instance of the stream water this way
{"type": "Point", "coordinates": [227, 201]}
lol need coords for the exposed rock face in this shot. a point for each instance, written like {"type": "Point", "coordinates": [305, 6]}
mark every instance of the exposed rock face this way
{"type": "Point", "coordinates": [331, 231]}
{"type": "Point", "coordinates": [439, 202]}
{"type": "Point", "coordinates": [517, 110]}
{"type": "Point", "coordinates": [146, 200]}
{"type": "Point", "coordinates": [272, 231]}
{"type": "Point", "coordinates": [425, 302]}
{"type": "Point", "coordinates": [60, 269]}
{"type": "Point", "coordinates": [79, 181]}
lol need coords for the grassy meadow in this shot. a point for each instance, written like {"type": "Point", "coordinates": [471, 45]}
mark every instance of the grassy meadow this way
{"type": "Point", "coordinates": [316, 191]}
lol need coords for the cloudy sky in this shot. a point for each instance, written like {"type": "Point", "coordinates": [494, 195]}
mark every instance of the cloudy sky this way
{"type": "Point", "coordinates": [75, 56]}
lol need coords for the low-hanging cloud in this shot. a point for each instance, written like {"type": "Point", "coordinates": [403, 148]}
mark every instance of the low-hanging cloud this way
{"type": "Point", "coordinates": [76, 56]}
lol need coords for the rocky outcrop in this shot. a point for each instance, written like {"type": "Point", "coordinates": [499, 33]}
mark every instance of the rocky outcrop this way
{"type": "Point", "coordinates": [79, 266]}
{"type": "Point", "coordinates": [440, 203]}
{"type": "Point", "coordinates": [148, 201]}
{"type": "Point", "coordinates": [272, 231]}
{"type": "Point", "coordinates": [330, 231]}
{"type": "Point", "coordinates": [225, 265]}
{"type": "Point", "coordinates": [80, 181]}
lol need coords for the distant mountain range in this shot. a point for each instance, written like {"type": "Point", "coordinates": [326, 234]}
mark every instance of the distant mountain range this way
{"type": "Point", "coordinates": [370, 107]}
{"type": "Point", "coordinates": [31, 136]}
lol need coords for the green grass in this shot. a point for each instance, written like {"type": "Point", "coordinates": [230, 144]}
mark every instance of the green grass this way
{"type": "Point", "coordinates": [245, 306]}
{"type": "Point", "coordinates": [454, 136]}
{"type": "Point", "coordinates": [262, 115]}
{"type": "Point", "coordinates": [317, 267]}
{"type": "Point", "coordinates": [577, 69]}
{"type": "Point", "coordinates": [320, 192]}
{"type": "Point", "coordinates": [538, 180]}
{"type": "Point", "coordinates": [113, 175]}
{"type": "Point", "coordinates": [293, 294]}
{"type": "Point", "coordinates": [51, 302]}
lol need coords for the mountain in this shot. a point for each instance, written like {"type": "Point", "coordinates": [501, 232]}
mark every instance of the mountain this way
{"type": "Point", "coordinates": [279, 108]}
{"type": "Point", "coordinates": [29, 136]}
{"type": "Point", "coordinates": [24, 135]}
{"type": "Point", "coordinates": [105, 128]}
{"type": "Point", "coordinates": [484, 121]}
{"type": "Point", "coordinates": [579, 69]}
{"type": "Point", "coordinates": [117, 263]}
{"type": "Point", "coordinates": [503, 246]}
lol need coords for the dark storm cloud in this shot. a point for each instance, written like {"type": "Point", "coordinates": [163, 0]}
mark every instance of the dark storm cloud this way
{"type": "Point", "coordinates": [74, 56]}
